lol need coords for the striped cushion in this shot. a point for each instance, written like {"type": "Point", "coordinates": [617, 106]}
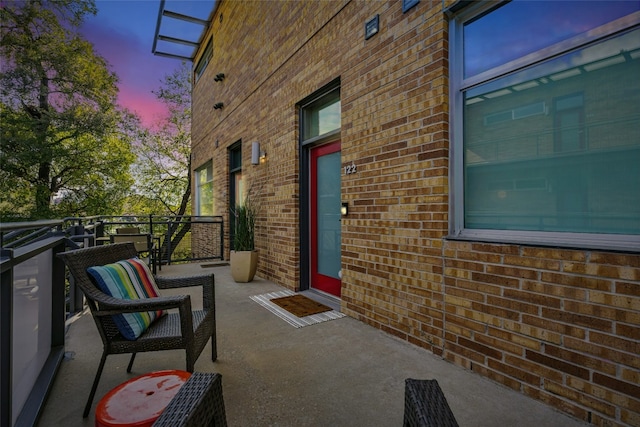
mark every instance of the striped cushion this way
{"type": "Point", "coordinates": [128, 279]}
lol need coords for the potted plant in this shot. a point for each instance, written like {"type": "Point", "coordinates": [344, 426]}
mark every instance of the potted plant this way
{"type": "Point", "coordinates": [244, 257]}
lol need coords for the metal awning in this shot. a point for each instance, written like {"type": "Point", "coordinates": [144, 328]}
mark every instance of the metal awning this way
{"type": "Point", "coordinates": [181, 27]}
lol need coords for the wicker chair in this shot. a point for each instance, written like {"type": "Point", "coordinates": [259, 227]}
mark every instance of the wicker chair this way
{"type": "Point", "coordinates": [425, 405]}
{"type": "Point", "coordinates": [199, 403]}
{"type": "Point", "coordinates": [186, 329]}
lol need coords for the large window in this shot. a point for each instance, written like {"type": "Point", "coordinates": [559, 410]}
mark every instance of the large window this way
{"type": "Point", "coordinates": [545, 123]}
{"type": "Point", "coordinates": [204, 190]}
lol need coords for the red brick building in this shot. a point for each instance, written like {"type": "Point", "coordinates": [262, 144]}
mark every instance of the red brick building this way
{"type": "Point", "coordinates": [488, 158]}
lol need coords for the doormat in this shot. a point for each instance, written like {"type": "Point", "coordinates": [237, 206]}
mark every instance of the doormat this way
{"type": "Point", "coordinates": [300, 306]}
{"type": "Point", "coordinates": [295, 321]}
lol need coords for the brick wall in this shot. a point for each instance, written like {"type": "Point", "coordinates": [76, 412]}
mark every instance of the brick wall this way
{"type": "Point", "coordinates": [558, 325]}
{"type": "Point", "coordinates": [394, 109]}
{"type": "Point", "coordinates": [268, 68]}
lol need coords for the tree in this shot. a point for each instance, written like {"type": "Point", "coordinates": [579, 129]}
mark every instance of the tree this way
{"type": "Point", "coordinates": [61, 133]}
{"type": "Point", "coordinates": [163, 167]}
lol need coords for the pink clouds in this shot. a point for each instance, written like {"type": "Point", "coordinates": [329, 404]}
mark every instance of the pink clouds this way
{"type": "Point", "coordinates": [145, 106]}
{"type": "Point", "coordinates": [124, 39]}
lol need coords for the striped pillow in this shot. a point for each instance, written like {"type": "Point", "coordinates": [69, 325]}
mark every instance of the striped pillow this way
{"type": "Point", "coordinates": [128, 279]}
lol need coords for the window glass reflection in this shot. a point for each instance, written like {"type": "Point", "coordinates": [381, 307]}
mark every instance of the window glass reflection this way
{"type": "Point", "coordinates": [555, 147]}
{"type": "Point", "coordinates": [521, 27]}
{"type": "Point", "coordinates": [323, 116]}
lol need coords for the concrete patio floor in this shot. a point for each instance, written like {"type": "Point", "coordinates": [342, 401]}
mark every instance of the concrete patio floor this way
{"type": "Point", "coordinates": [337, 373]}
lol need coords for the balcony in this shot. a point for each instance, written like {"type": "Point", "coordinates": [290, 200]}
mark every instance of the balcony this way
{"type": "Point", "coordinates": [340, 372]}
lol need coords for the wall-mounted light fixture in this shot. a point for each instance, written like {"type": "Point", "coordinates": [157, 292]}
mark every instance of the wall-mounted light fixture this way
{"type": "Point", "coordinates": [257, 156]}
{"type": "Point", "coordinates": [255, 153]}
{"type": "Point", "coordinates": [344, 209]}
{"type": "Point", "coordinates": [219, 77]}
{"type": "Point", "coordinates": [218, 106]}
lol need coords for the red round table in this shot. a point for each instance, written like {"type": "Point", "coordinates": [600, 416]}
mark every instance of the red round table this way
{"type": "Point", "coordinates": [139, 401]}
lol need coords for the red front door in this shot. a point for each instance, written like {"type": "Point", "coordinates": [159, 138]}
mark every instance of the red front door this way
{"type": "Point", "coordinates": [325, 218]}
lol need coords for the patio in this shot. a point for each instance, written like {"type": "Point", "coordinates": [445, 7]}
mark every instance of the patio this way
{"type": "Point", "coordinates": [339, 373]}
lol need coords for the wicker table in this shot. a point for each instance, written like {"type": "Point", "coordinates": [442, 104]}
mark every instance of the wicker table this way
{"type": "Point", "coordinates": [198, 403]}
{"type": "Point", "coordinates": [426, 406]}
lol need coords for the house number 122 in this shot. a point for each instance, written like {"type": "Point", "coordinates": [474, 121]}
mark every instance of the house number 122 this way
{"type": "Point", "coordinates": [349, 169]}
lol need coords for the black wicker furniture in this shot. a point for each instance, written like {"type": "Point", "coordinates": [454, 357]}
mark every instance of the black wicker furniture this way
{"type": "Point", "coordinates": [199, 403]}
{"type": "Point", "coordinates": [425, 405]}
{"type": "Point", "coordinates": [185, 329]}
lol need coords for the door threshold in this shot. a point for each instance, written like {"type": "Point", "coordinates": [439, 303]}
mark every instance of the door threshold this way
{"type": "Point", "coordinates": [323, 298]}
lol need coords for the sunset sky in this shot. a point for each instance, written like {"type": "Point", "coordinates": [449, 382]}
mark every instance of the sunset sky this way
{"type": "Point", "coordinates": [122, 32]}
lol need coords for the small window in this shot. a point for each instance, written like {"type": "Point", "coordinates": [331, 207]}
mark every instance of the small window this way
{"type": "Point", "coordinates": [322, 116]}
{"type": "Point", "coordinates": [204, 190]}
{"type": "Point", "coordinates": [204, 60]}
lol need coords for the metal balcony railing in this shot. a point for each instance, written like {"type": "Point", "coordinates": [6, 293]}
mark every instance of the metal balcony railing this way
{"type": "Point", "coordinates": [37, 296]}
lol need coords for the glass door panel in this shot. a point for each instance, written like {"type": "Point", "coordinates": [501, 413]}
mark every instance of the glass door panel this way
{"type": "Point", "coordinates": [325, 218]}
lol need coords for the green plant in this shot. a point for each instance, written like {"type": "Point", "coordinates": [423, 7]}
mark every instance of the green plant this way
{"type": "Point", "coordinates": [244, 227]}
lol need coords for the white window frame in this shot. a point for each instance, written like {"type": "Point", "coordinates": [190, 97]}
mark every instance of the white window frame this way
{"type": "Point", "coordinates": [457, 231]}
